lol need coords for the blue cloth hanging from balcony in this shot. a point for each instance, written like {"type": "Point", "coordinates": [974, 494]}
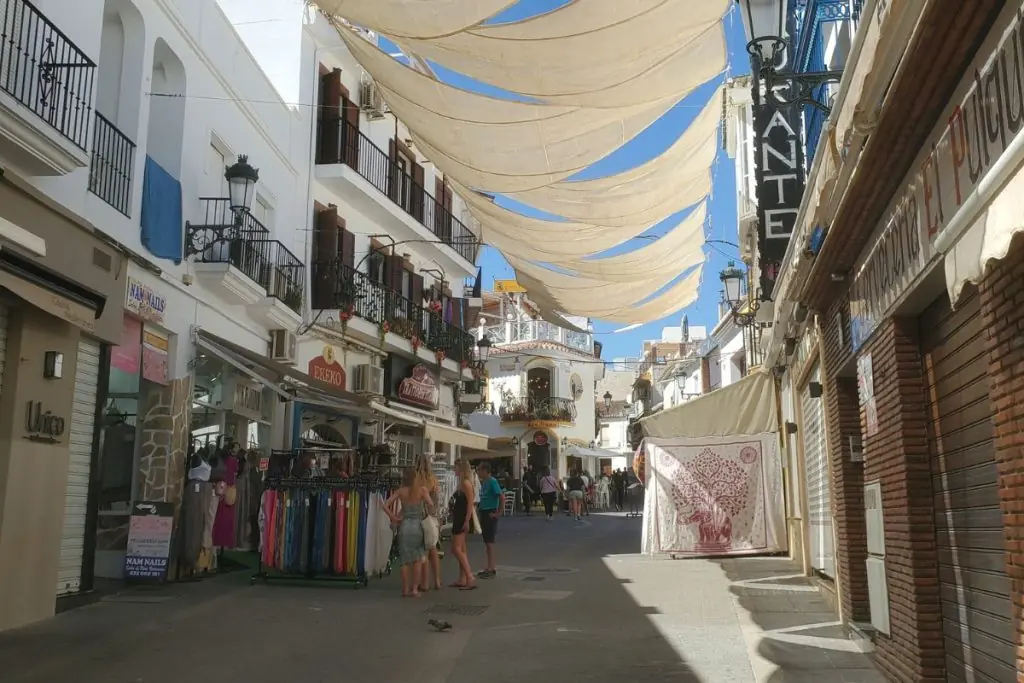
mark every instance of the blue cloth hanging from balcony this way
{"type": "Point", "coordinates": [161, 213]}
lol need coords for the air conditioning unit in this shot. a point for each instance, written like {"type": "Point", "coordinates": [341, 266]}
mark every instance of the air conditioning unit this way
{"type": "Point", "coordinates": [371, 102]}
{"type": "Point", "coordinates": [369, 380]}
{"type": "Point", "coordinates": [283, 346]}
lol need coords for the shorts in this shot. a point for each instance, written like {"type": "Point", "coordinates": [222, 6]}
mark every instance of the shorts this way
{"type": "Point", "coordinates": [575, 495]}
{"type": "Point", "coordinates": [488, 525]}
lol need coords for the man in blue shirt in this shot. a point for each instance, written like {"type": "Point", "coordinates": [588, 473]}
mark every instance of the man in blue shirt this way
{"type": "Point", "coordinates": [489, 507]}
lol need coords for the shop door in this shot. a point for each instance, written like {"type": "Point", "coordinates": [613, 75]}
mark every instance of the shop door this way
{"type": "Point", "coordinates": [80, 442]}
{"type": "Point", "coordinates": [818, 490]}
{"type": "Point", "coordinates": [974, 588]}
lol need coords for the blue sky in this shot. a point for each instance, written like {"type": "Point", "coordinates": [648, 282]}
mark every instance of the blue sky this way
{"type": "Point", "coordinates": [650, 143]}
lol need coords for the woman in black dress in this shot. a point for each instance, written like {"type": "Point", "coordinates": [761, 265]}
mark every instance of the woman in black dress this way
{"type": "Point", "coordinates": [461, 522]}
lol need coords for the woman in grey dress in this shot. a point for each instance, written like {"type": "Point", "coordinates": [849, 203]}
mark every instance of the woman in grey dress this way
{"type": "Point", "coordinates": [412, 549]}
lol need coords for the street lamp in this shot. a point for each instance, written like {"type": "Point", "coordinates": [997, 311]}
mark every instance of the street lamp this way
{"type": "Point", "coordinates": [483, 351]}
{"type": "Point", "coordinates": [607, 400]}
{"type": "Point", "coordinates": [769, 50]}
{"type": "Point", "coordinates": [515, 443]}
{"type": "Point", "coordinates": [743, 310]}
{"type": "Point", "coordinates": [242, 179]}
{"type": "Point", "coordinates": [565, 442]}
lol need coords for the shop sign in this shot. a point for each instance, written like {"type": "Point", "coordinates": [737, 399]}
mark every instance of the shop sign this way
{"type": "Point", "coordinates": [41, 425]}
{"type": "Point", "coordinates": [983, 119]}
{"type": "Point", "coordinates": [155, 356]}
{"type": "Point", "coordinates": [149, 542]}
{"type": "Point", "coordinates": [420, 389]}
{"type": "Point", "coordinates": [247, 400]}
{"type": "Point", "coordinates": [326, 368]}
{"type": "Point", "coordinates": [780, 177]}
{"type": "Point", "coordinates": [866, 392]}
{"type": "Point", "coordinates": [543, 424]}
{"type": "Point", "coordinates": [508, 287]}
{"type": "Point", "coordinates": [141, 300]}
{"type": "Point", "coordinates": [127, 356]}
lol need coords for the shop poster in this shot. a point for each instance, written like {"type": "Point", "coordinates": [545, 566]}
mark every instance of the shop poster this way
{"type": "Point", "coordinates": [149, 542]}
{"type": "Point", "coordinates": [127, 356]}
{"type": "Point", "coordinates": [155, 348]}
{"type": "Point", "coordinates": [866, 391]}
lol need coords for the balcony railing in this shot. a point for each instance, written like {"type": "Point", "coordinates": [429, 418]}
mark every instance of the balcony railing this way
{"type": "Point", "coordinates": [113, 162]}
{"type": "Point", "coordinates": [244, 242]}
{"type": "Point", "coordinates": [340, 142]}
{"type": "Point", "coordinates": [529, 408]}
{"type": "Point", "coordinates": [42, 69]}
{"type": "Point", "coordinates": [341, 287]}
{"type": "Point", "coordinates": [539, 330]}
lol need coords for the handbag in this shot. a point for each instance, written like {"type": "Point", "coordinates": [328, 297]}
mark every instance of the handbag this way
{"type": "Point", "coordinates": [474, 522]}
{"type": "Point", "coordinates": [431, 531]}
{"type": "Point", "coordinates": [230, 495]}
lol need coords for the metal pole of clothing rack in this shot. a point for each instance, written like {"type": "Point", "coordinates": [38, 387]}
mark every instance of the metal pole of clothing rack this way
{"type": "Point", "coordinates": [635, 493]}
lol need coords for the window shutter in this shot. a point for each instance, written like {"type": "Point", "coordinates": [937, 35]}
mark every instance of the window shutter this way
{"type": "Point", "coordinates": [350, 113]}
{"type": "Point", "coordinates": [393, 175]}
{"type": "Point", "coordinates": [325, 267]}
{"type": "Point", "coordinates": [348, 249]}
{"type": "Point", "coordinates": [417, 291]}
{"type": "Point", "coordinates": [418, 193]}
{"type": "Point", "coordinates": [329, 117]}
{"type": "Point", "coordinates": [393, 272]}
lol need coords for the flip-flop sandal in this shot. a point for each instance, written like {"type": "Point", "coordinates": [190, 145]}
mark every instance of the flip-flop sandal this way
{"type": "Point", "coordinates": [456, 585]}
{"type": "Point", "coordinates": [468, 588]}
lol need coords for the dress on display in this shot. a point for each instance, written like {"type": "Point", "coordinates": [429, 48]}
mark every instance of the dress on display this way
{"type": "Point", "coordinates": [194, 511]}
{"type": "Point", "coordinates": [224, 524]}
{"type": "Point", "coordinates": [411, 544]}
{"type": "Point", "coordinates": [243, 506]}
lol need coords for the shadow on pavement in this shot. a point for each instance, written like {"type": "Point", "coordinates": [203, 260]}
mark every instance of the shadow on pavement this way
{"type": "Point", "coordinates": [797, 636]}
{"type": "Point", "coordinates": [574, 603]}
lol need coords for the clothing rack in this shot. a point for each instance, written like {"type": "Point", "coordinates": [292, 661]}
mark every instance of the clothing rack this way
{"type": "Point", "coordinates": [324, 529]}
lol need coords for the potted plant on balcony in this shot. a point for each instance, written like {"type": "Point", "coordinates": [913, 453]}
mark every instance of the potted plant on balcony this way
{"type": "Point", "coordinates": [382, 331]}
{"type": "Point", "coordinates": [416, 343]}
{"type": "Point", "coordinates": [293, 298]}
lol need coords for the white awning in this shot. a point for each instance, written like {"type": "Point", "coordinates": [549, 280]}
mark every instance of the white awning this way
{"type": "Point", "coordinates": [455, 436]}
{"type": "Point", "coordinates": [988, 236]}
{"type": "Point", "coordinates": [401, 416]}
{"type": "Point", "coordinates": [743, 408]}
{"type": "Point", "coordinates": [580, 451]}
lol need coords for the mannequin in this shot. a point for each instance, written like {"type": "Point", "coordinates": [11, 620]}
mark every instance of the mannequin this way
{"type": "Point", "coordinates": [195, 513]}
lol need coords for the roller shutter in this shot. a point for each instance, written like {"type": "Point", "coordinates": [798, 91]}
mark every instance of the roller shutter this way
{"type": "Point", "coordinates": [974, 588]}
{"type": "Point", "coordinates": [816, 480]}
{"type": "Point", "coordinates": [80, 438]}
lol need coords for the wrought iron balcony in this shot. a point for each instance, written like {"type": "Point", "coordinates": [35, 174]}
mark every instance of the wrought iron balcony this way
{"type": "Point", "coordinates": [43, 70]}
{"type": "Point", "coordinates": [529, 408]}
{"type": "Point", "coordinates": [341, 287]}
{"type": "Point", "coordinates": [540, 330]}
{"type": "Point", "coordinates": [243, 242]}
{"type": "Point", "coordinates": [339, 142]}
{"type": "Point", "coordinates": [113, 163]}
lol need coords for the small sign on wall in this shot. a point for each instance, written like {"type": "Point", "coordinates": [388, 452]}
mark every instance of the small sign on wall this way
{"type": "Point", "coordinates": [866, 392]}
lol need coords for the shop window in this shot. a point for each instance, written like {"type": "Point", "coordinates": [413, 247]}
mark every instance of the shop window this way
{"type": "Point", "coordinates": [117, 454]}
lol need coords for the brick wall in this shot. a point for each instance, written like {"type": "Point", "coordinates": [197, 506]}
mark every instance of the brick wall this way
{"type": "Point", "coordinates": [842, 417]}
{"type": "Point", "coordinates": [898, 456]}
{"type": "Point", "coordinates": [1002, 309]}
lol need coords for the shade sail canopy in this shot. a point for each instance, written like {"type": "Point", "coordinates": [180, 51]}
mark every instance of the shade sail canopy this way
{"type": "Point", "coordinates": [495, 144]}
{"type": "Point", "coordinates": [415, 18]}
{"type": "Point", "coordinates": [592, 53]}
{"type": "Point", "coordinates": [454, 435]}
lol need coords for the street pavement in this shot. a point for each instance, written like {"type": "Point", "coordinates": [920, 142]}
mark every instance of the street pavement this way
{"type": "Point", "coordinates": [572, 602]}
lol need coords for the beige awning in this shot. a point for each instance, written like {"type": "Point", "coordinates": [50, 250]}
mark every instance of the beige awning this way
{"type": "Point", "coordinates": [745, 407]}
{"type": "Point", "coordinates": [58, 306]}
{"type": "Point", "coordinates": [456, 436]}
{"type": "Point", "coordinates": [400, 415]}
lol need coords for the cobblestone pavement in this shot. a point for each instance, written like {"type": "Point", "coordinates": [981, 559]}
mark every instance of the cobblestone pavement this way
{"type": "Point", "coordinates": [572, 602]}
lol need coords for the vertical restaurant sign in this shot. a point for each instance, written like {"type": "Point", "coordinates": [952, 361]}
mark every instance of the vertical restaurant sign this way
{"type": "Point", "coordinates": [780, 177]}
{"type": "Point", "coordinates": [326, 368]}
{"type": "Point", "coordinates": [127, 356]}
{"type": "Point", "coordinates": [155, 348]}
{"type": "Point", "coordinates": [144, 302]}
{"type": "Point", "coordinates": [983, 118]}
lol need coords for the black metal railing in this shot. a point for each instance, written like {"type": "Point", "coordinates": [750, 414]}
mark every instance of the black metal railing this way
{"type": "Point", "coordinates": [341, 287]}
{"type": "Point", "coordinates": [339, 142]}
{"type": "Point", "coordinates": [283, 275]}
{"type": "Point", "coordinates": [42, 69]}
{"type": "Point", "coordinates": [528, 408]}
{"type": "Point", "coordinates": [222, 237]}
{"type": "Point", "coordinates": [113, 163]}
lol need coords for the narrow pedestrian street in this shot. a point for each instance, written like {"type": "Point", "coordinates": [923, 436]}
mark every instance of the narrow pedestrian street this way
{"type": "Point", "coordinates": [572, 602]}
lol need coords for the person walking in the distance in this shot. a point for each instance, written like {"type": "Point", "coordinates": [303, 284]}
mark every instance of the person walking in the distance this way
{"type": "Point", "coordinates": [576, 485]}
{"type": "Point", "coordinates": [548, 492]}
{"type": "Point", "coordinates": [619, 489]}
{"type": "Point", "coordinates": [492, 502]}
